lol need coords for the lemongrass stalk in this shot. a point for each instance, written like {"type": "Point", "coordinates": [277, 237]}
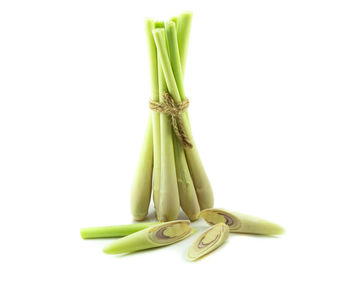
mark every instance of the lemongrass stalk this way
{"type": "Point", "coordinates": [168, 201]}
{"type": "Point", "coordinates": [188, 197]}
{"type": "Point", "coordinates": [187, 193]}
{"type": "Point", "coordinates": [142, 184]}
{"type": "Point", "coordinates": [113, 230]}
{"type": "Point", "coordinates": [152, 237]}
{"type": "Point", "coordinates": [183, 36]}
{"type": "Point", "coordinates": [159, 24]}
{"type": "Point", "coordinates": [208, 241]}
{"type": "Point", "coordinates": [175, 20]}
{"type": "Point", "coordinates": [241, 223]}
{"type": "Point", "coordinates": [155, 115]}
{"type": "Point", "coordinates": [174, 57]}
{"type": "Point", "coordinates": [200, 179]}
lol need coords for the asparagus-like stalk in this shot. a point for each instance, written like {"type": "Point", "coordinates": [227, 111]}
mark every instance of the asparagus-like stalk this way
{"type": "Point", "coordinates": [188, 197]}
{"type": "Point", "coordinates": [168, 201]}
{"type": "Point", "coordinates": [175, 20]}
{"type": "Point", "coordinates": [199, 177]}
{"type": "Point", "coordinates": [183, 35]}
{"type": "Point", "coordinates": [159, 24]}
{"type": "Point", "coordinates": [155, 115]}
{"type": "Point", "coordinates": [208, 241]}
{"type": "Point", "coordinates": [241, 223]}
{"type": "Point", "coordinates": [154, 236]}
{"type": "Point", "coordinates": [174, 56]}
{"type": "Point", "coordinates": [113, 230]}
{"type": "Point", "coordinates": [142, 184]}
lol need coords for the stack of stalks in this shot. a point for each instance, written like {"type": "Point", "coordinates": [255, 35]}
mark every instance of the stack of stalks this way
{"type": "Point", "coordinates": [169, 163]}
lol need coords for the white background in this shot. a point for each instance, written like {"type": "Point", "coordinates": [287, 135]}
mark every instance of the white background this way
{"type": "Point", "coordinates": [269, 88]}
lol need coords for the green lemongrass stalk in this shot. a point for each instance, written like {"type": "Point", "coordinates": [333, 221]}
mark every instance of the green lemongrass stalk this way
{"type": "Point", "coordinates": [175, 20]}
{"type": "Point", "coordinates": [152, 237]}
{"type": "Point", "coordinates": [183, 36]}
{"type": "Point", "coordinates": [168, 201]}
{"type": "Point", "coordinates": [208, 241]}
{"type": "Point", "coordinates": [142, 184]}
{"type": "Point", "coordinates": [188, 197]}
{"type": "Point", "coordinates": [155, 115]}
{"type": "Point", "coordinates": [174, 56]}
{"type": "Point", "coordinates": [187, 193]}
{"type": "Point", "coordinates": [159, 24]}
{"type": "Point", "coordinates": [113, 230]}
{"type": "Point", "coordinates": [241, 223]}
{"type": "Point", "coordinates": [199, 177]}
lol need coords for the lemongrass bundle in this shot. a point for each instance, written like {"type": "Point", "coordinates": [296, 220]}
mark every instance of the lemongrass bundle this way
{"type": "Point", "coordinates": [169, 162]}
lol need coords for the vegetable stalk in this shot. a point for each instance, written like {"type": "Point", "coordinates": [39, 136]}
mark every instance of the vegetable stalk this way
{"type": "Point", "coordinates": [199, 177]}
{"type": "Point", "coordinates": [155, 115]}
{"type": "Point", "coordinates": [113, 230]}
{"type": "Point", "coordinates": [241, 223]}
{"type": "Point", "coordinates": [174, 172]}
{"type": "Point", "coordinates": [168, 205]}
{"type": "Point", "coordinates": [152, 237]}
{"type": "Point", "coordinates": [188, 197]}
{"type": "Point", "coordinates": [142, 184]}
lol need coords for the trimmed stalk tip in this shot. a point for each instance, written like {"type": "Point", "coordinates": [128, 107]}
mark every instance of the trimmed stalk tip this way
{"type": "Point", "coordinates": [241, 223]}
{"type": "Point", "coordinates": [208, 241]}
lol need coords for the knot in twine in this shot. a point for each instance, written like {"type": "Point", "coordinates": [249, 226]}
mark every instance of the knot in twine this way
{"type": "Point", "coordinates": [174, 110]}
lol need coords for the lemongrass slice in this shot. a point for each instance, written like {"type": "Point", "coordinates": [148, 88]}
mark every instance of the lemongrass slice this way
{"type": "Point", "coordinates": [242, 223]}
{"type": "Point", "coordinates": [208, 241]}
{"type": "Point", "coordinates": [113, 230]}
{"type": "Point", "coordinates": [155, 236]}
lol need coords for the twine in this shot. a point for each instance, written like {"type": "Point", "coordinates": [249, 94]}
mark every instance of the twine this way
{"type": "Point", "coordinates": [174, 110]}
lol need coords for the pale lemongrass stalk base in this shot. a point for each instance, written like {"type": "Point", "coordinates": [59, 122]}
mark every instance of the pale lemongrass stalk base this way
{"type": "Point", "coordinates": [142, 184]}
{"type": "Point", "coordinates": [152, 50]}
{"type": "Point", "coordinates": [168, 201]}
{"type": "Point", "coordinates": [188, 197]}
{"type": "Point", "coordinates": [199, 177]}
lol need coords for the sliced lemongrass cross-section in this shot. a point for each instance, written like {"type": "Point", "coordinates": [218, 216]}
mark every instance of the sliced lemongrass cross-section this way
{"type": "Point", "coordinates": [155, 236]}
{"type": "Point", "coordinates": [242, 223]}
{"type": "Point", "coordinates": [113, 230]}
{"type": "Point", "coordinates": [208, 241]}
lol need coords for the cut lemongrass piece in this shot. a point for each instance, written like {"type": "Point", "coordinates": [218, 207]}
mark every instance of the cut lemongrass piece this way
{"type": "Point", "coordinates": [152, 237]}
{"type": "Point", "coordinates": [208, 241]}
{"type": "Point", "coordinates": [113, 230]}
{"type": "Point", "coordinates": [241, 223]}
